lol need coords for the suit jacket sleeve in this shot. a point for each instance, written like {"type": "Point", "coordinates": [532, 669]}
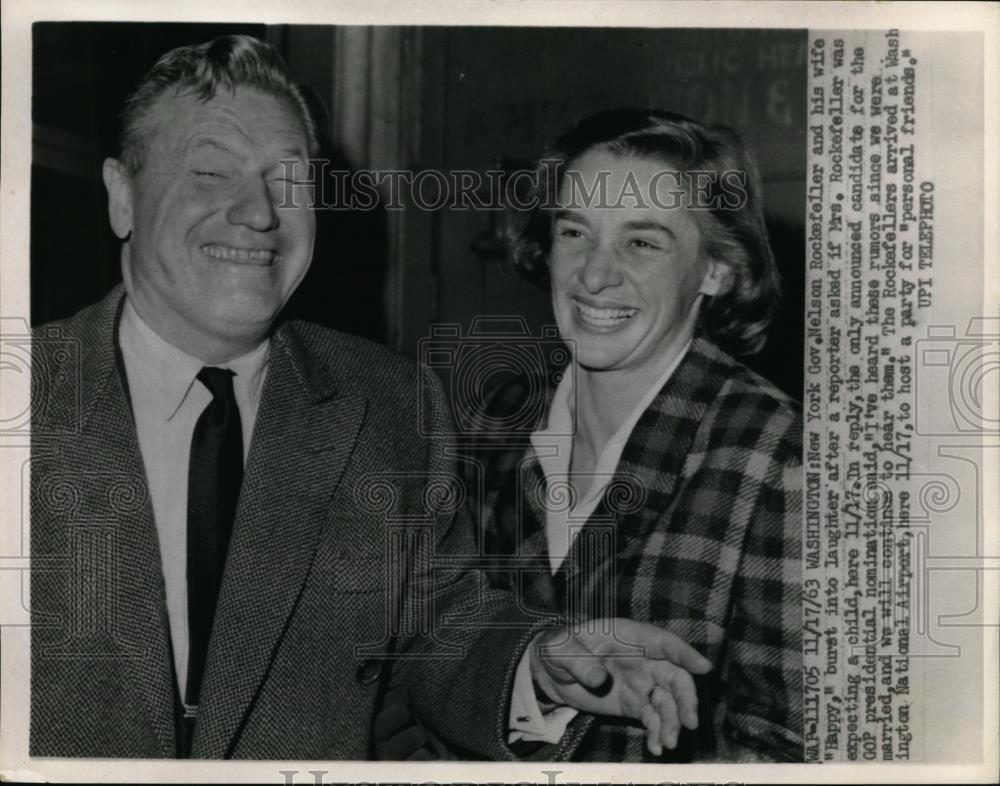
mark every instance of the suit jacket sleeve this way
{"type": "Point", "coordinates": [459, 665]}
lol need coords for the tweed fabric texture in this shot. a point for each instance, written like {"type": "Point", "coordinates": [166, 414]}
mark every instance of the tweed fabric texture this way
{"type": "Point", "coordinates": [344, 558]}
{"type": "Point", "coordinates": [699, 531]}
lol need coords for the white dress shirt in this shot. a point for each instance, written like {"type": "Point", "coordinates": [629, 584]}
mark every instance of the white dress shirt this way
{"type": "Point", "coordinates": [553, 445]}
{"type": "Point", "coordinates": [166, 403]}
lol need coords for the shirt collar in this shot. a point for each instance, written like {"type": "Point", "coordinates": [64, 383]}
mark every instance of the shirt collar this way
{"type": "Point", "coordinates": [553, 441]}
{"type": "Point", "coordinates": [171, 373]}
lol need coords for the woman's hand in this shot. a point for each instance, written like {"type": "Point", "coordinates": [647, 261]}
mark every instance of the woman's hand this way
{"type": "Point", "coordinates": [622, 667]}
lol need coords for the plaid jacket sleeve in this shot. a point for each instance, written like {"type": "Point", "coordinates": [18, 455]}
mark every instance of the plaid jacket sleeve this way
{"type": "Point", "coordinates": [762, 665]}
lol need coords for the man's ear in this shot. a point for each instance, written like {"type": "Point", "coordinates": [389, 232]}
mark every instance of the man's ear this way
{"type": "Point", "coordinates": [119, 185]}
{"type": "Point", "coordinates": [718, 278]}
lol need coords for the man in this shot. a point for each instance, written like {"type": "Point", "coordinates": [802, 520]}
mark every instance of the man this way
{"type": "Point", "coordinates": [236, 525]}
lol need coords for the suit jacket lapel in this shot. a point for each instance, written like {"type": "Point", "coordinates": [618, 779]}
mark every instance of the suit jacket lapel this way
{"type": "Point", "coordinates": [108, 443]}
{"type": "Point", "coordinates": [306, 430]}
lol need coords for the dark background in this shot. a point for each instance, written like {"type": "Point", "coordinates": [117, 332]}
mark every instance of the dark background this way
{"type": "Point", "coordinates": [470, 98]}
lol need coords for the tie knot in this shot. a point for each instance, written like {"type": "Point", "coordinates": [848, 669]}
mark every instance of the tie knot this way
{"type": "Point", "coordinates": [219, 381]}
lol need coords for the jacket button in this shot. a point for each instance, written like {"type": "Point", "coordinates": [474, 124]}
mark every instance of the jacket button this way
{"type": "Point", "coordinates": [368, 672]}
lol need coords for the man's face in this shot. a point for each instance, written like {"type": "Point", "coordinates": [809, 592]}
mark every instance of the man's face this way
{"type": "Point", "coordinates": [627, 280]}
{"type": "Point", "coordinates": [217, 247]}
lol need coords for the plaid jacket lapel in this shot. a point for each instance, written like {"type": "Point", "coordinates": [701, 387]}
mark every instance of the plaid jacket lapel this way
{"type": "Point", "coordinates": [598, 568]}
{"type": "Point", "coordinates": [654, 456]}
{"type": "Point", "coordinates": [602, 556]}
{"type": "Point", "coordinates": [534, 576]}
{"type": "Point", "coordinates": [505, 468]}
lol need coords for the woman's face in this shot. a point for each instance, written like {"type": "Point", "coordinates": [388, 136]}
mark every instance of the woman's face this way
{"type": "Point", "coordinates": [627, 271]}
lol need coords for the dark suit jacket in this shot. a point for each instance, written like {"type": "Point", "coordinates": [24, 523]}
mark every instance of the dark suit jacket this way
{"type": "Point", "coordinates": [698, 532]}
{"type": "Point", "coordinates": [342, 540]}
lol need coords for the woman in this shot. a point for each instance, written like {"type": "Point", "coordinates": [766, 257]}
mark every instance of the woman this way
{"type": "Point", "coordinates": [662, 481]}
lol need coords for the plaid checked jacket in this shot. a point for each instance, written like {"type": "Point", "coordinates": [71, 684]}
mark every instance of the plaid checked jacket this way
{"type": "Point", "coordinates": [699, 532]}
{"type": "Point", "coordinates": [344, 525]}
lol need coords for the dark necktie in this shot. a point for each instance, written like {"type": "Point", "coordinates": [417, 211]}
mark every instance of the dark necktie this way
{"type": "Point", "coordinates": [215, 473]}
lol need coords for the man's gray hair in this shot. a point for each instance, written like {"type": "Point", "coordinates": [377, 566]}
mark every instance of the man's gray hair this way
{"type": "Point", "coordinates": [228, 62]}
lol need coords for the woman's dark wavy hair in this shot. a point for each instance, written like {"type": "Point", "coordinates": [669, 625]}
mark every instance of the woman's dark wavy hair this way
{"type": "Point", "coordinates": [732, 231]}
{"type": "Point", "coordinates": [227, 62]}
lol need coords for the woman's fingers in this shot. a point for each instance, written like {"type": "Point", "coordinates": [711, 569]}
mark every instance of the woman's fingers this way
{"type": "Point", "coordinates": [682, 688]}
{"type": "Point", "coordinates": [662, 701]}
{"type": "Point", "coordinates": [654, 736]}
